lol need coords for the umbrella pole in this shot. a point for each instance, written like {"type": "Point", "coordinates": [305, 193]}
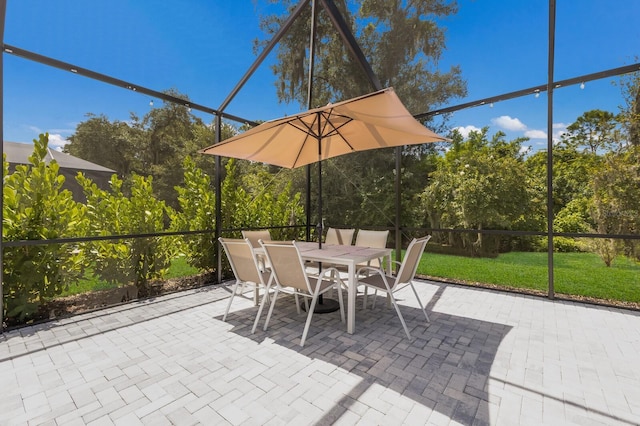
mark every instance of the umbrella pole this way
{"type": "Point", "coordinates": [319, 225]}
{"type": "Point", "coordinates": [323, 306]}
{"type": "Point", "coordinates": [329, 305]}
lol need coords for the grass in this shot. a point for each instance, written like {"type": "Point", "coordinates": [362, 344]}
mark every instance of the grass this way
{"type": "Point", "coordinates": [179, 268]}
{"type": "Point", "coordinates": [579, 274]}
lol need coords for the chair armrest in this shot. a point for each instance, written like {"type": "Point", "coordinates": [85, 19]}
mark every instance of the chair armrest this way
{"type": "Point", "coordinates": [369, 269]}
{"type": "Point", "coordinates": [335, 274]}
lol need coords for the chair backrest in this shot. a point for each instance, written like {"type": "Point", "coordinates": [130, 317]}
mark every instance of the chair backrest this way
{"type": "Point", "coordinates": [411, 260]}
{"type": "Point", "coordinates": [242, 259]}
{"type": "Point", "coordinates": [255, 236]}
{"type": "Point", "coordinates": [338, 236]}
{"type": "Point", "coordinates": [369, 238]}
{"type": "Point", "coordinates": [286, 264]}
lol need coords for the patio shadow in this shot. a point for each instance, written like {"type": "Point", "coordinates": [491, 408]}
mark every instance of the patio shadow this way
{"type": "Point", "coordinates": [445, 368]}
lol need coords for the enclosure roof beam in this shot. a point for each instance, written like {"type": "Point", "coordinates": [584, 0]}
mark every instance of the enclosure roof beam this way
{"type": "Point", "coordinates": [350, 42]}
{"type": "Point", "coordinates": [13, 50]}
{"type": "Point", "coordinates": [276, 38]}
{"type": "Point", "coordinates": [533, 90]}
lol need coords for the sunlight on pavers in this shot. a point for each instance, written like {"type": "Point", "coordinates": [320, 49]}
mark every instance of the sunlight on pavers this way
{"type": "Point", "coordinates": [487, 357]}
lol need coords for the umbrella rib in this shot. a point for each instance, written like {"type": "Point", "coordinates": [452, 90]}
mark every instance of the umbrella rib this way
{"type": "Point", "coordinates": [303, 126]}
{"type": "Point", "coordinates": [308, 133]}
{"type": "Point", "coordinates": [336, 129]}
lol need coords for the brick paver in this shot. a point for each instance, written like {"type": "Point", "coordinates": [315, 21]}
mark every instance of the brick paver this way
{"type": "Point", "coordinates": [486, 358]}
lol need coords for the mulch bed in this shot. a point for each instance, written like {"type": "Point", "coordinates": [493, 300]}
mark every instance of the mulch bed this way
{"type": "Point", "coordinates": [64, 307]}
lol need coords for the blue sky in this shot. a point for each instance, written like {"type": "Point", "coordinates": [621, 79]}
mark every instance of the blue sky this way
{"type": "Point", "coordinates": [203, 47]}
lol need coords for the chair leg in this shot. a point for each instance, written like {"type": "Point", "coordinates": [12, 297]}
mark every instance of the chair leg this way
{"type": "Point", "coordinates": [364, 298]}
{"type": "Point", "coordinates": [341, 302]}
{"type": "Point", "coordinates": [395, 305]}
{"type": "Point", "coordinates": [273, 304]}
{"type": "Point", "coordinates": [265, 298]}
{"type": "Point", "coordinates": [256, 295]}
{"type": "Point", "coordinates": [233, 293]}
{"type": "Point", "coordinates": [309, 315]}
{"type": "Point", "coordinates": [295, 295]}
{"type": "Point", "coordinates": [419, 302]}
{"type": "Point", "coordinates": [306, 304]}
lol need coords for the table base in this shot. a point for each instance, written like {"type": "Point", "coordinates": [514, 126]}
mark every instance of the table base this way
{"type": "Point", "coordinates": [324, 306]}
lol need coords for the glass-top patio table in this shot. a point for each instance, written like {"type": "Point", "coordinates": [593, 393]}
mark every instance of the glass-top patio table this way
{"type": "Point", "coordinates": [348, 256]}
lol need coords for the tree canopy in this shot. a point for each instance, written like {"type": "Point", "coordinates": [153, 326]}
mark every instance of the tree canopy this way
{"type": "Point", "coordinates": [401, 40]}
{"type": "Point", "coordinates": [155, 144]}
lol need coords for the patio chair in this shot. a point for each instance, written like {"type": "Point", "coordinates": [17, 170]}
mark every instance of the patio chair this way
{"type": "Point", "coordinates": [289, 276]}
{"type": "Point", "coordinates": [379, 280]}
{"type": "Point", "coordinates": [254, 237]}
{"type": "Point", "coordinates": [246, 269]}
{"type": "Point", "coordinates": [339, 236]}
{"type": "Point", "coordinates": [369, 238]}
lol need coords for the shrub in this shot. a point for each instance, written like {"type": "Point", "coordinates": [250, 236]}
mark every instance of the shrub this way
{"type": "Point", "coordinates": [37, 208]}
{"type": "Point", "coordinates": [197, 202]}
{"type": "Point", "coordinates": [139, 259]}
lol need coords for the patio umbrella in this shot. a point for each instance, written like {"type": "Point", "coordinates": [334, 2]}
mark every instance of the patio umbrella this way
{"type": "Point", "coordinates": [376, 120]}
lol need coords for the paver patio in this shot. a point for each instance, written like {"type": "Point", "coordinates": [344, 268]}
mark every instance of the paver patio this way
{"type": "Point", "coordinates": [487, 358]}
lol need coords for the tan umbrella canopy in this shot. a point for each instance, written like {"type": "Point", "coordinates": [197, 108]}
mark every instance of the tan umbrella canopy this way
{"type": "Point", "coordinates": [376, 120]}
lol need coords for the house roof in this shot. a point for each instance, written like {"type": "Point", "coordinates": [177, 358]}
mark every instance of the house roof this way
{"type": "Point", "coordinates": [18, 153]}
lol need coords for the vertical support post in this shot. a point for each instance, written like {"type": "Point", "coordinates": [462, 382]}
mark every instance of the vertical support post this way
{"type": "Point", "coordinates": [218, 189]}
{"type": "Point", "coordinates": [312, 48]}
{"type": "Point", "coordinates": [550, 214]}
{"type": "Point", "coordinates": [319, 226]}
{"type": "Point", "coordinates": [307, 205]}
{"type": "Point", "coordinates": [3, 12]}
{"type": "Point", "coordinates": [398, 231]}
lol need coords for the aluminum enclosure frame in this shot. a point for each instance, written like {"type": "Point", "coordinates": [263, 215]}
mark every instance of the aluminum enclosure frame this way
{"type": "Point", "coordinates": [353, 47]}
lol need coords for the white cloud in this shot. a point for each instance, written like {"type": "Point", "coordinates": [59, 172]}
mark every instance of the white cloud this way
{"type": "Point", "coordinates": [509, 123]}
{"type": "Point", "coordinates": [35, 130]}
{"type": "Point", "coordinates": [558, 130]}
{"type": "Point", "coordinates": [536, 134]}
{"type": "Point", "coordinates": [464, 131]}
{"type": "Point", "coordinates": [57, 141]}
{"type": "Point", "coordinates": [56, 138]}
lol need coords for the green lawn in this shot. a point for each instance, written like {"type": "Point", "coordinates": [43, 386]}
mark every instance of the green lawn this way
{"type": "Point", "coordinates": [179, 268]}
{"type": "Point", "coordinates": [582, 274]}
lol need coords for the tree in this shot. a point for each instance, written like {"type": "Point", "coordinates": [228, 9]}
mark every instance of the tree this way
{"type": "Point", "coordinates": [594, 169]}
{"type": "Point", "coordinates": [155, 144]}
{"type": "Point", "coordinates": [571, 174]}
{"type": "Point", "coordinates": [594, 131]}
{"type": "Point", "coordinates": [616, 202]}
{"type": "Point", "coordinates": [401, 41]}
{"type": "Point", "coordinates": [107, 143]}
{"type": "Point", "coordinates": [479, 184]}
{"type": "Point", "coordinates": [37, 208]}
{"type": "Point", "coordinates": [630, 112]}
{"type": "Point", "coordinates": [165, 137]}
